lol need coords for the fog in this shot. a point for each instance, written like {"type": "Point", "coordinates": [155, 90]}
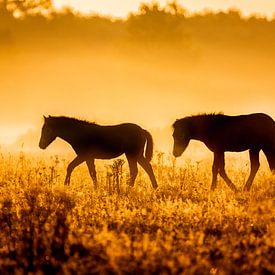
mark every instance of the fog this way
{"type": "Point", "coordinates": [113, 74]}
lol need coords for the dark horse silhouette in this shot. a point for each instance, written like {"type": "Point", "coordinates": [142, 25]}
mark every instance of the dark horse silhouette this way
{"type": "Point", "coordinates": [91, 141]}
{"type": "Point", "coordinates": [222, 133]}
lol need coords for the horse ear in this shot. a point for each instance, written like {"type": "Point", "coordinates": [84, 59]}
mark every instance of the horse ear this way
{"type": "Point", "coordinates": [45, 118]}
{"type": "Point", "coordinates": [175, 123]}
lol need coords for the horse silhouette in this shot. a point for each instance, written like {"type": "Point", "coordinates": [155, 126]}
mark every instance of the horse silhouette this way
{"type": "Point", "coordinates": [91, 141]}
{"type": "Point", "coordinates": [221, 133]}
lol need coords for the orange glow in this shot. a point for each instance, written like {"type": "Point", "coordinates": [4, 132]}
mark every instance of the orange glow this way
{"type": "Point", "coordinates": [112, 72]}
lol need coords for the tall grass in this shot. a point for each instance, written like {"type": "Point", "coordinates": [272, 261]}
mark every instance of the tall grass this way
{"type": "Point", "coordinates": [180, 228]}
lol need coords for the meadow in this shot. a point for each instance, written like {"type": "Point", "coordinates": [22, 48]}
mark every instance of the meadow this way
{"type": "Point", "coordinates": [180, 228]}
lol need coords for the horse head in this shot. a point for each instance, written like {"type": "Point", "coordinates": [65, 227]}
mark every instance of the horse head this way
{"type": "Point", "coordinates": [181, 137]}
{"type": "Point", "coordinates": [48, 134]}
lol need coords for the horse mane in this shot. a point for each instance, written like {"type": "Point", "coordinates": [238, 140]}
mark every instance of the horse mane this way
{"type": "Point", "coordinates": [71, 120]}
{"type": "Point", "coordinates": [181, 121]}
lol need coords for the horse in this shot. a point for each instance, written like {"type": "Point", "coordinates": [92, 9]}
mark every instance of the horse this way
{"type": "Point", "coordinates": [91, 141]}
{"type": "Point", "coordinates": [221, 133]}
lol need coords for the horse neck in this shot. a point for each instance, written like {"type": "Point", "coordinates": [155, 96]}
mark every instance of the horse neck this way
{"type": "Point", "coordinates": [74, 132]}
{"type": "Point", "coordinates": [70, 132]}
{"type": "Point", "coordinates": [63, 132]}
{"type": "Point", "coordinates": [197, 127]}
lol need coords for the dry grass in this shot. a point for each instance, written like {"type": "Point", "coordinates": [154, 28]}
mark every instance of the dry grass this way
{"type": "Point", "coordinates": [180, 228]}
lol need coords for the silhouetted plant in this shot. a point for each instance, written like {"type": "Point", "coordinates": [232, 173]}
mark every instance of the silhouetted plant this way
{"type": "Point", "coordinates": [114, 176]}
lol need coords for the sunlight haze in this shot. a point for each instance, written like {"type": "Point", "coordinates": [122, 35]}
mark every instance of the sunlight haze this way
{"type": "Point", "coordinates": [149, 69]}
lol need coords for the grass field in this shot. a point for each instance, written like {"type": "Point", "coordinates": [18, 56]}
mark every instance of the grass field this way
{"type": "Point", "coordinates": [180, 228]}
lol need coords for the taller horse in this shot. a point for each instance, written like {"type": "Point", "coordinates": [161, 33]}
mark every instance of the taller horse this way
{"type": "Point", "coordinates": [91, 141]}
{"type": "Point", "coordinates": [221, 133]}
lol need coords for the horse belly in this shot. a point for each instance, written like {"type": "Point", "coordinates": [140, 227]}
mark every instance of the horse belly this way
{"type": "Point", "coordinates": [100, 151]}
{"type": "Point", "coordinates": [106, 155]}
{"type": "Point", "coordinates": [107, 151]}
{"type": "Point", "coordinates": [239, 144]}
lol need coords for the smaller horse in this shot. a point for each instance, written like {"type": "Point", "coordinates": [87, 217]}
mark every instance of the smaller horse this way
{"type": "Point", "coordinates": [221, 133]}
{"type": "Point", "coordinates": [91, 141]}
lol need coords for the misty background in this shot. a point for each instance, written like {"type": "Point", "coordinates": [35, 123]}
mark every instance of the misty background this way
{"type": "Point", "coordinates": [158, 64]}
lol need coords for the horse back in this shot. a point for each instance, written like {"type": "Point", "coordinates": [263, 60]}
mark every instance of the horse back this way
{"type": "Point", "coordinates": [239, 133]}
{"type": "Point", "coordinates": [260, 125]}
{"type": "Point", "coordinates": [111, 141]}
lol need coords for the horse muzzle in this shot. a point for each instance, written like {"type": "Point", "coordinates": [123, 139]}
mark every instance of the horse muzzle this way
{"type": "Point", "coordinates": [42, 146]}
{"type": "Point", "coordinates": [177, 153]}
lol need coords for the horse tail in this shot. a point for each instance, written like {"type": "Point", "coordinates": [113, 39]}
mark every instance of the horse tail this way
{"type": "Point", "coordinates": [149, 146]}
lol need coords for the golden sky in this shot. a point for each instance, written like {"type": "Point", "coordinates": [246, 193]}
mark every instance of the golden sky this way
{"type": "Point", "coordinates": [123, 7]}
{"type": "Point", "coordinates": [102, 83]}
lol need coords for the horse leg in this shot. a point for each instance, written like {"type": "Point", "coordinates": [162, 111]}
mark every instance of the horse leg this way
{"type": "Point", "coordinates": [255, 164]}
{"type": "Point", "coordinates": [215, 170]}
{"type": "Point", "coordinates": [224, 175]}
{"type": "Point", "coordinates": [91, 166]}
{"type": "Point", "coordinates": [145, 164]}
{"type": "Point", "coordinates": [78, 160]}
{"type": "Point", "coordinates": [133, 169]}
